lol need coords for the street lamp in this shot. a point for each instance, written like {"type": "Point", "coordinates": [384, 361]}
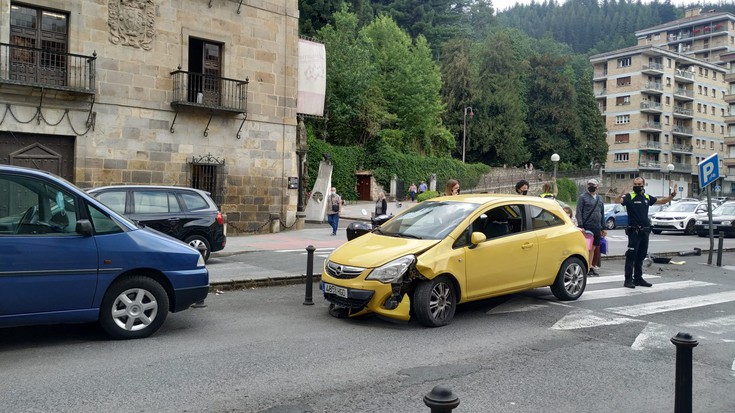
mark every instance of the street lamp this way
{"type": "Point", "coordinates": [464, 130]}
{"type": "Point", "coordinates": [555, 159]}
{"type": "Point", "coordinates": [670, 168]}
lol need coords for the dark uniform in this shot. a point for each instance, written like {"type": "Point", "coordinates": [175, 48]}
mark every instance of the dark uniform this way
{"type": "Point", "coordinates": [638, 230]}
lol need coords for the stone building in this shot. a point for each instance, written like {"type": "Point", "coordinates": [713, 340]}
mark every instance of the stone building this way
{"type": "Point", "coordinates": [198, 93]}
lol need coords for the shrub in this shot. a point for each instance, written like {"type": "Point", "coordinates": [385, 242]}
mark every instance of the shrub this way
{"type": "Point", "coordinates": [427, 195]}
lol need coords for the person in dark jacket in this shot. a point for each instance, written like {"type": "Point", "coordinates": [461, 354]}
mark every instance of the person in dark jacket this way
{"type": "Point", "coordinates": [381, 205]}
{"type": "Point", "coordinates": [591, 217]}
{"type": "Point", "coordinates": [522, 187]}
{"type": "Point", "coordinates": [638, 230]}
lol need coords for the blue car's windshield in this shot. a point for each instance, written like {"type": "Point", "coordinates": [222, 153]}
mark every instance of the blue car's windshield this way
{"type": "Point", "coordinates": [428, 220]}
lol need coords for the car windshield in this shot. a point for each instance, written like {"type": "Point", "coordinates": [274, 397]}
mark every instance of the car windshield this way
{"type": "Point", "coordinates": [609, 207]}
{"type": "Point", "coordinates": [682, 207]}
{"type": "Point", "coordinates": [657, 208]}
{"type": "Point", "coordinates": [428, 220]}
{"type": "Point", "coordinates": [726, 209]}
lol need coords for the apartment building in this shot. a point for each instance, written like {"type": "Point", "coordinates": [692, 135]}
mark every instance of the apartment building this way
{"type": "Point", "coordinates": [664, 102]}
{"type": "Point", "coordinates": [198, 93]}
{"type": "Point", "coordinates": [729, 159]}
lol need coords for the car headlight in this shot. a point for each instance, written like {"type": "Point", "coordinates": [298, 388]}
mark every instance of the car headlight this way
{"type": "Point", "coordinates": [392, 271]}
{"type": "Point", "coordinates": [726, 223]}
{"type": "Point", "coordinates": [200, 261]}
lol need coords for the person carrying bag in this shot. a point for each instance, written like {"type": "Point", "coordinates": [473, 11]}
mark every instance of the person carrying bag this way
{"type": "Point", "coordinates": [591, 217]}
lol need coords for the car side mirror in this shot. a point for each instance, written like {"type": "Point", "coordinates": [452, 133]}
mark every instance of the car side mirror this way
{"type": "Point", "coordinates": [476, 238]}
{"type": "Point", "coordinates": [84, 227]}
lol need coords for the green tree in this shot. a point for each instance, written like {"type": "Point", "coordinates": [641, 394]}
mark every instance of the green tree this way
{"type": "Point", "coordinates": [459, 78]}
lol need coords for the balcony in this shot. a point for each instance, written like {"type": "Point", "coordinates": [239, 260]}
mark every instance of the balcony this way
{"type": "Point", "coordinates": [601, 74]}
{"type": "Point", "coordinates": [209, 94]}
{"type": "Point", "coordinates": [683, 94]}
{"type": "Point", "coordinates": [729, 140]}
{"type": "Point", "coordinates": [684, 76]}
{"type": "Point", "coordinates": [653, 87]}
{"type": "Point", "coordinates": [653, 165]}
{"type": "Point", "coordinates": [682, 112]}
{"type": "Point", "coordinates": [651, 126]}
{"type": "Point", "coordinates": [653, 69]}
{"type": "Point", "coordinates": [730, 76]}
{"type": "Point", "coordinates": [650, 107]}
{"type": "Point", "coordinates": [47, 69]}
{"type": "Point", "coordinates": [651, 145]}
{"type": "Point", "coordinates": [682, 168]}
{"type": "Point", "coordinates": [681, 148]}
{"type": "Point", "coordinates": [600, 92]}
{"type": "Point", "coordinates": [729, 118]}
{"type": "Point", "coordinates": [681, 130]}
{"type": "Point", "coordinates": [730, 98]}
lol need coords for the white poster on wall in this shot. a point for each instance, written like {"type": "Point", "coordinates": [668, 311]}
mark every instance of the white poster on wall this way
{"type": "Point", "coordinates": [312, 78]}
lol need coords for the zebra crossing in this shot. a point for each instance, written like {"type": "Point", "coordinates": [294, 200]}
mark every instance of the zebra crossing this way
{"type": "Point", "coordinates": [319, 252]}
{"type": "Point", "coordinates": [642, 309]}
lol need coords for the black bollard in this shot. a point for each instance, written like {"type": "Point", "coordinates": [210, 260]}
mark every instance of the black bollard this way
{"type": "Point", "coordinates": [309, 274]}
{"type": "Point", "coordinates": [441, 400]}
{"type": "Point", "coordinates": [719, 249]}
{"type": "Point", "coordinates": [683, 391]}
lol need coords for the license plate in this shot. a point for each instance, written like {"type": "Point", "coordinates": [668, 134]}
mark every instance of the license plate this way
{"type": "Point", "coordinates": [333, 289]}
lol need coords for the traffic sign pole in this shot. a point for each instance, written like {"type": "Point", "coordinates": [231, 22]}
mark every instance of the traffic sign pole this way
{"type": "Point", "coordinates": [709, 215]}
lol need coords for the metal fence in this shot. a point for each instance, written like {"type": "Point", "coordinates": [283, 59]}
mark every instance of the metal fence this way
{"type": "Point", "coordinates": [32, 66]}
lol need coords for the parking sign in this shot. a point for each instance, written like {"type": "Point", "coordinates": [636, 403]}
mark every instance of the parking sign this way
{"type": "Point", "coordinates": [709, 170]}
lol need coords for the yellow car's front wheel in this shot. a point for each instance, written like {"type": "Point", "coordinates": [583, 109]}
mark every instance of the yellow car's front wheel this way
{"type": "Point", "coordinates": [435, 301]}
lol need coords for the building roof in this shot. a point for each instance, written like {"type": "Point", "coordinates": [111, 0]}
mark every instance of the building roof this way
{"type": "Point", "coordinates": [685, 22]}
{"type": "Point", "coordinates": [642, 48]}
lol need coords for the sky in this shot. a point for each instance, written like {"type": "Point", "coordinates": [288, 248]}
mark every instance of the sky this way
{"type": "Point", "coordinates": [505, 4]}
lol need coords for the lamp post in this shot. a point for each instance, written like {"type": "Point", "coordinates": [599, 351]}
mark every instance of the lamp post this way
{"type": "Point", "coordinates": [464, 129]}
{"type": "Point", "coordinates": [555, 159]}
{"type": "Point", "coordinates": [670, 168]}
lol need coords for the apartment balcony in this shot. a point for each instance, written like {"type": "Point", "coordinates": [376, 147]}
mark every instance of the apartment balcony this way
{"type": "Point", "coordinates": [682, 130]}
{"type": "Point", "coordinates": [729, 118]}
{"type": "Point", "coordinates": [651, 107]}
{"type": "Point", "coordinates": [684, 76]}
{"type": "Point", "coordinates": [683, 94]}
{"type": "Point", "coordinates": [730, 98]}
{"type": "Point", "coordinates": [655, 69]}
{"type": "Point", "coordinates": [729, 140]}
{"type": "Point", "coordinates": [682, 168]}
{"type": "Point", "coordinates": [655, 88]}
{"type": "Point", "coordinates": [208, 94]}
{"type": "Point", "coordinates": [599, 75]}
{"type": "Point", "coordinates": [29, 67]}
{"type": "Point", "coordinates": [651, 127]}
{"type": "Point", "coordinates": [681, 112]}
{"type": "Point", "coordinates": [649, 165]}
{"type": "Point", "coordinates": [728, 162]}
{"type": "Point", "coordinates": [730, 76]}
{"type": "Point", "coordinates": [650, 145]}
{"type": "Point", "coordinates": [600, 92]}
{"type": "Point", "coordinates": [682, 148]}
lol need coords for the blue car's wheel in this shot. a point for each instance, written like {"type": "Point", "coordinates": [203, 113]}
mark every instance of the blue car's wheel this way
{"type": "Point", "coordinates": [610, 223]}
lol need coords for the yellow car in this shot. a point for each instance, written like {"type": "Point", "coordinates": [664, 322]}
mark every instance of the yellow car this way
{"type": "Point", "coordinates": [451, 250]}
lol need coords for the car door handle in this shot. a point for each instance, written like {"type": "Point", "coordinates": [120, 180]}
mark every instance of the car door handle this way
{"type": "Point", "coordinates": [173, 219]}
{"type": "Point", "coordinates": [527, 245]}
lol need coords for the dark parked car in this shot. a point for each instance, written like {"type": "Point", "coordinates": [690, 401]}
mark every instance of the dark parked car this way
{"type": "Point", "coordinates": [723, 219]}
{"type": "Point", "coordinates": [68, 258]}
{"type": "Point", "coordinates": [187, 214]}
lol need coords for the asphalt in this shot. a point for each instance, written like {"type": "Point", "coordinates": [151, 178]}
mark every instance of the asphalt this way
{"type": "Point", "coordinates": [319, 236]}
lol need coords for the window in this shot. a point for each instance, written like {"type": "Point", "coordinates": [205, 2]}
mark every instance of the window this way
{"type": "Point", "coordinates": [622, 157]}
{"type": "Point", "coordinates": [500, 221]}
{"type": "Point", "coordinates": [666, 119]}
{"type": "Point", "coordinates": [696, 144]}
{"type": "Point", "coordinates": [711, 129]}
{"type": "Point", "coordinates": [699, 89]}
{"type": "Point", "coordinates": [114, 199]}
{"type": "Point", "coordinates": [151, 202]}
{"type": "Point", "coordinates": [624, 62]}
{"type": "Point", "coordinates": [714, 75]}
{"type": "Point", "coordinates": [32, 207]}
{"type": "Point", "coordinates": [622, 119]}
{"type": "Point", "coordinates": [622, 138]}
{"type": "Point", "coordinates": [32, 28]}
{"type": "Point", "coordinates": [620, 176]}
{"type": "Point", "coordinates": [193, 201]}
{"type": "Point", "coordinates": [623, 81]}
{"type": "Point", "coordinates": [668, 82]}
{"type": "Point", "coordinates": [541, 218]}
{"type": "Point", "coordinates": [706, 90]}
{"type": "Point", "coordinates": [714, 93]}
{"type": "Point", "coordinates": [699, 125]}
{"type": "Point", "coordinates": [699, 108]}
{"type": "Point", "coordinates": [622, 100]}
{"type": "Point", "coordinates": [713, 109]}
{"type": "Point", "coordinates": [668, 100]}
{"type": "Point", "coordinates": [712, 144]}
{"type": "Point", "coordinates": [722, 129]}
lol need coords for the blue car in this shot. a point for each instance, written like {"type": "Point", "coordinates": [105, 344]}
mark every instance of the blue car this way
{"type": "Point", "coordinates": [67, 258]}
{"type": "Point", "coordinates": [615, 216]}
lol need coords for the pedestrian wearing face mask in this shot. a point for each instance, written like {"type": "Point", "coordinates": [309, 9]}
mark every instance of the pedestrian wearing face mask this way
{"type": "Point", "coordinates": [638, 230]}
{"type": "Point", "coordinates": [522, 187]}
{"type": "Point", "coordinates": [334, 206]}
{"type": "Point", "coordinates": [591, 217]}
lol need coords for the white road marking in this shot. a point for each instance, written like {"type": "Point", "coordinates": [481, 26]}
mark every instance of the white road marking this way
{"type": "Point", "coordinates": [718, 325]}
{"type": "Point", "coordinates": [654, 336]}
{"type": "Point", "coordinates": [673, 305]}
{"type": "Point", "coordinates": [732, 369]}
{"type": "Point", "coordinates": [614, 278]}
{"type": "Point", "coordinates": [626, 292]}
{"type": "Point", "coordinates": [587, 318]}
{"type": "Point", "coordinates": [518, 305]}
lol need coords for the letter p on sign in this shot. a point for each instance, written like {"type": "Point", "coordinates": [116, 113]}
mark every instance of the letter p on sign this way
{"type": "Point", "coordinates": [709, 170]}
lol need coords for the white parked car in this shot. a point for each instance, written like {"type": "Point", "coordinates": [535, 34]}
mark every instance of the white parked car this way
{"type": "Point", "coordinates": [680, 217]}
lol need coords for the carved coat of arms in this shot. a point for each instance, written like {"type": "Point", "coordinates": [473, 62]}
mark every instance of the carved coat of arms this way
{"type": "Point", "coordinates": [131, 22]}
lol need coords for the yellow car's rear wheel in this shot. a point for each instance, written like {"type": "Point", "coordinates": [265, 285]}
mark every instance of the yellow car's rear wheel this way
{"type": "Point", "coordinates": [571, 280]}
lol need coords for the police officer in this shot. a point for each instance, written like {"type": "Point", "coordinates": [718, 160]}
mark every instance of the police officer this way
{"type": "Point", "coordinates": [638, 230]}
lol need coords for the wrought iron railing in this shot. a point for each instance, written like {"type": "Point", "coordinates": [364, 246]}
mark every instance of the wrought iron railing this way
{"type": "Point", "coordinates": [213, 92]}
{"type": "Point", "coordinates": [682, 129]}
{"type": "Point", "coordinates": [22, 65]}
